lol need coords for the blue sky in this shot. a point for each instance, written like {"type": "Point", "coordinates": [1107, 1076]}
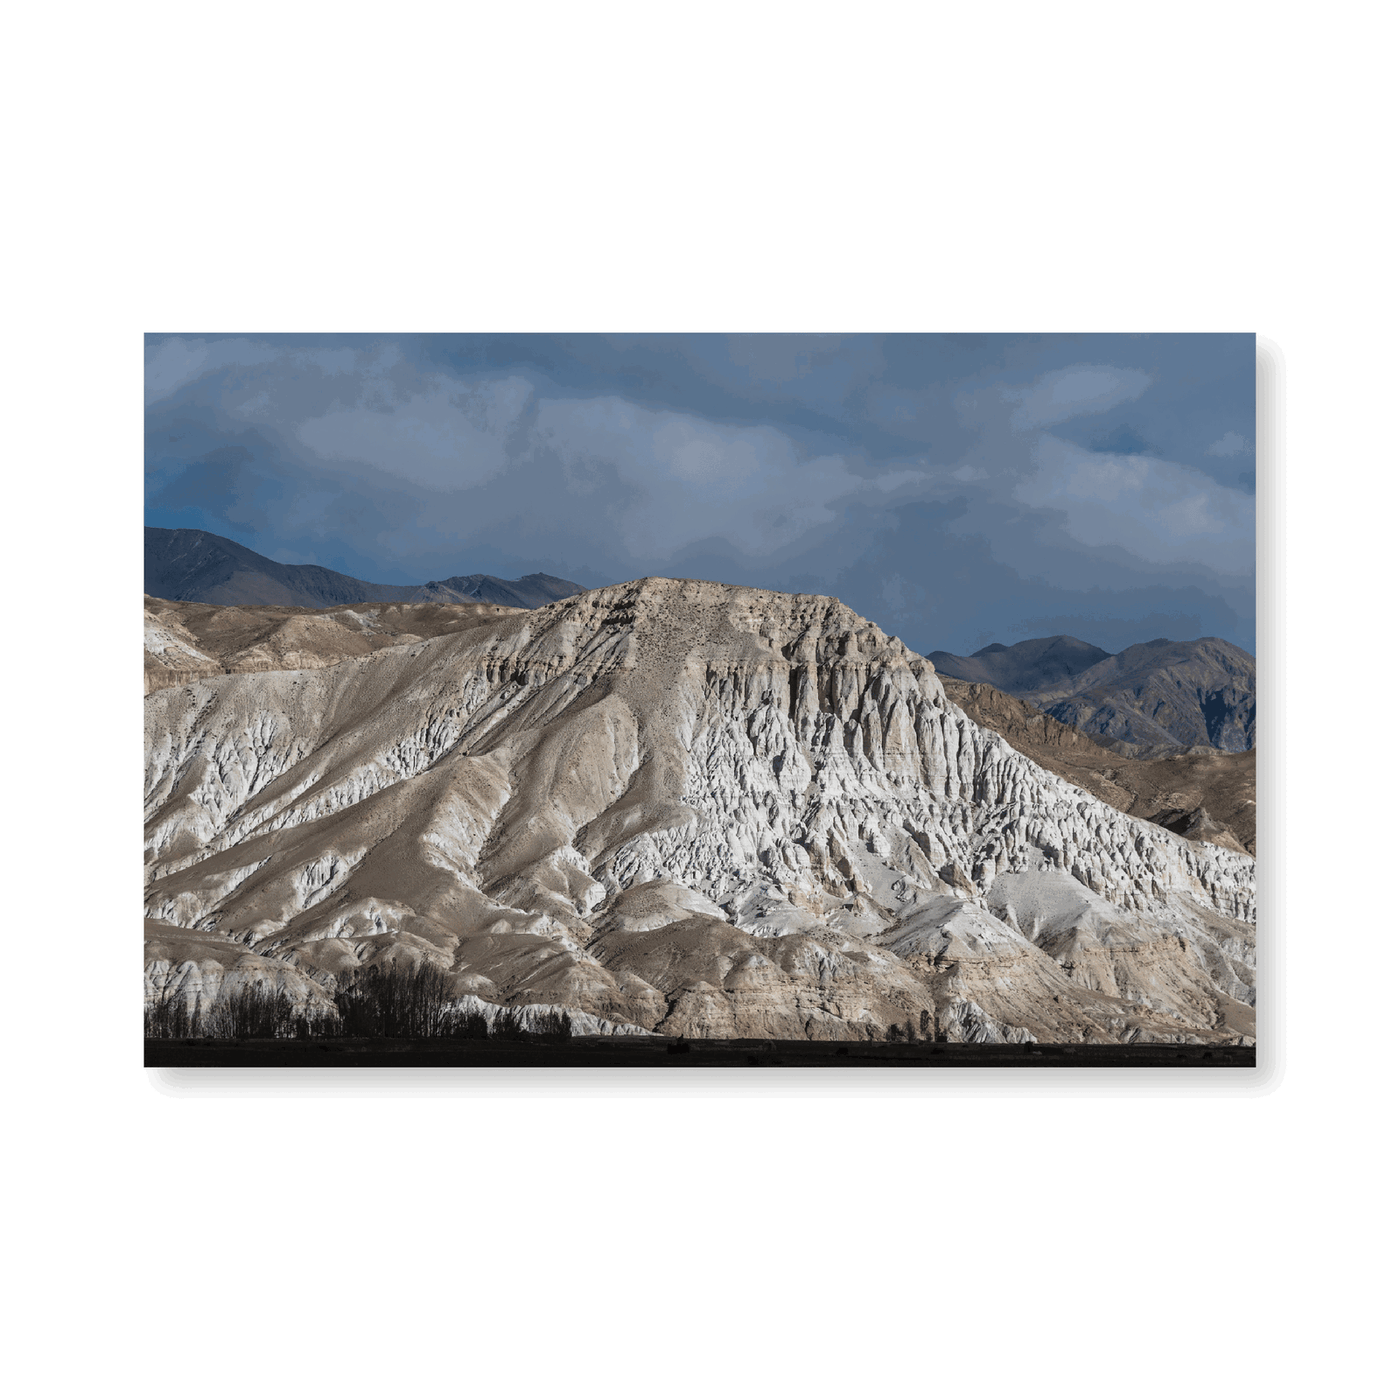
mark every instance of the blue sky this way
{"type": "Point", "coordinates": [957, 490]}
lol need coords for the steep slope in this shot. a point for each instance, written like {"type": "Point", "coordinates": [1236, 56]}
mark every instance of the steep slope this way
{"type": "Point", "coordinates": [1042, 661]}
{"type": "Point", "coordinates": [196, 566]}
{"type": "Point", "coordinates": [1201, 793]}
{"type": "Point", "coordinates": [187, 641]}
{"type": "Point", "coordinates": [687, 807]}
{"type": "Point", "coordinates": [1162, 692]}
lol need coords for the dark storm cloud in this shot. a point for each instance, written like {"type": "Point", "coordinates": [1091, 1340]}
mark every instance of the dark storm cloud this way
{"type": "Point", "coordinates": [952, 488]}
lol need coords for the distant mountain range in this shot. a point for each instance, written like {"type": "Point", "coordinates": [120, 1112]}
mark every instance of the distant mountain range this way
{"type": "Point", "coordinates": [1199, 693]}
{"type": "Point", "coordinates": [194, 566]}
{"type": "Point", "coordinates": [1025, 667]}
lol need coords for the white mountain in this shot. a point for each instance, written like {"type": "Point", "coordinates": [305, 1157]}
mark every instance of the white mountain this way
{"type": "Point", "coordinates": [679, 806]}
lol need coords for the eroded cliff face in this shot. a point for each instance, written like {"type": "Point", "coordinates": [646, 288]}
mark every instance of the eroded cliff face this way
{"type": "Point", "coordinates": [1203, 793]}
{"type": "Point", "coordinates": [681, 806]}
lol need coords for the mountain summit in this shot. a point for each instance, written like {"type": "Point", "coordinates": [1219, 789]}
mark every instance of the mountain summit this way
{"type": "Point", "coordinates": [194, 566]}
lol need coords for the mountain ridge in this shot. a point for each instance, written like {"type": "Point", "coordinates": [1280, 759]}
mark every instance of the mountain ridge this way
{"type": "Point", "coordinates": [1027, 665]}
{"type": "Point", "coordinates": [687, 807]}
{"type": "Point", "coordinates": [1153, 694]}
{"type": "Point", "coordinates": [1199, 791]}
{"type": "Point", "coordinates": [198, 566]}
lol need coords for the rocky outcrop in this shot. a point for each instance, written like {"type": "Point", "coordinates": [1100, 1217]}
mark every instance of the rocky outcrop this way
{"type": "Point", "coordinates": [690, 808]}
{"type": "Point", "coordinates": [173, 654]}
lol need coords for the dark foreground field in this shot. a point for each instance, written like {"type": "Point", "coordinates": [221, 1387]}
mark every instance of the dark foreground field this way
{"type": "Point", "coordinates": [664, 1053]}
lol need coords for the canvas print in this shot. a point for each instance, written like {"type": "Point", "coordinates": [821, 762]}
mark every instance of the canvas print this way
{"type": "Point", "coordinates": [682, 699]}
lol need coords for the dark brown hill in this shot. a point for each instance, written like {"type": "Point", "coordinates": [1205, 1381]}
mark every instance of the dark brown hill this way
{"type": "Point", "coordinates": [198, 567]}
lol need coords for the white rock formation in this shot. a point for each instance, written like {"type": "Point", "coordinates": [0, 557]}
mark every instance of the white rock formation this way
{"type": "Point", "coordinates": [692, 808]}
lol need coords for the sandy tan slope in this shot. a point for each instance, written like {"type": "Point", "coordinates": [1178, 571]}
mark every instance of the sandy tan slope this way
{"type": "Point", "coordinates": [686, 807]}
{"type": "Point", "coordinates": [186, 641]}
{"type": "Point", "coordinates": [1202, 793]}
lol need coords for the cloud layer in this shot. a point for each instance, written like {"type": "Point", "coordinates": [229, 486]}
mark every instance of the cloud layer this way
{"type": "Point", "coordinates": [953, 489]}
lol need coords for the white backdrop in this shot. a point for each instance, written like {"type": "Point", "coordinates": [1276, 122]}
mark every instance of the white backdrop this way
{"type": "Point", "coordinates": [300, 166]}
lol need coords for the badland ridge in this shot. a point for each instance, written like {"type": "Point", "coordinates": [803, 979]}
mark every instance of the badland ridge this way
{"type": "Point", "coordinates": [667, 806]}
